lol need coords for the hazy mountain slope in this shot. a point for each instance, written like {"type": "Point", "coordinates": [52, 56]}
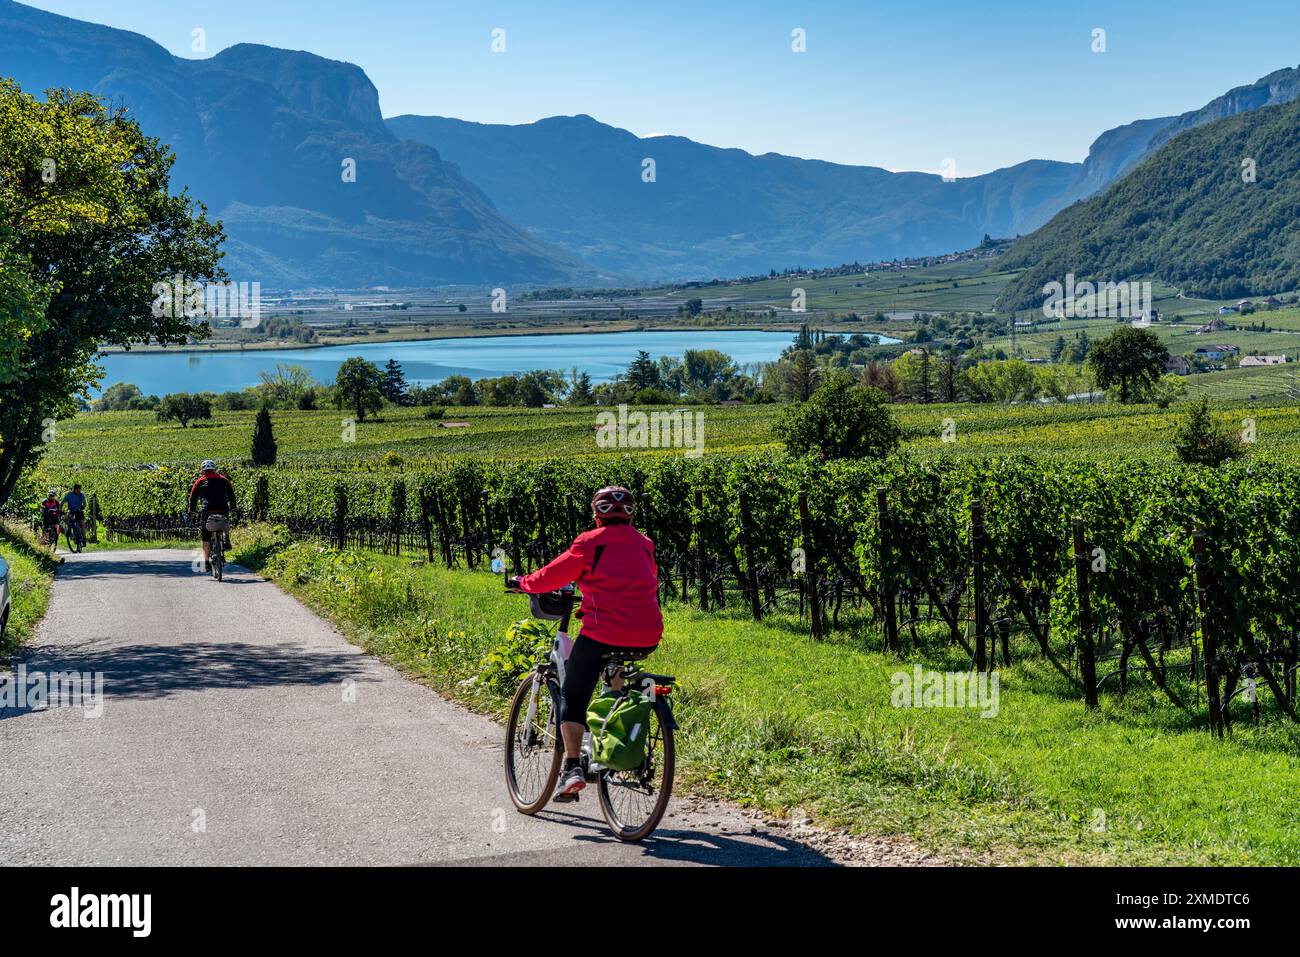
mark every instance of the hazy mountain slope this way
{"type": "Point", "coordinates": [260, 136]}
{"type": "Point", "coordinates": [711, 211]}
{"type": "Point", "coordinates": [577, 182]}
{"type": "Point", "coordinates": [1185, 216]}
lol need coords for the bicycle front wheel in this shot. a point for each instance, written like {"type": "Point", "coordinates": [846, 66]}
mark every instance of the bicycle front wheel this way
{"type": "Point", "coordinates": [533, 747]}
{"type": "Point", "coordinates": [634, 802]}
{"type": "Point", "coordinates": [74, 540]}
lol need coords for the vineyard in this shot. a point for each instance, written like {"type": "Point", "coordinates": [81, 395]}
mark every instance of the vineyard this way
{"type": "Point", "coordinates": [1175, 578]}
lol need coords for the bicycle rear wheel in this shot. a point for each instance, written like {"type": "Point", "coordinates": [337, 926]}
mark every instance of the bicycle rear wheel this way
{"type": "Point", "coordinates": [533, 748]}
{"type": "Point", "coordinates": [218, 557]}
{"type": "Point", "coordinates": [634, 802]}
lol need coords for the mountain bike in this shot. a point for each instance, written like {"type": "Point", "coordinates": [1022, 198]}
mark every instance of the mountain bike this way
{"type": "Point", "coordinates": [632, 802]}
{"type": "Point", "coordinates": [219, 526]}
{"type": "Point", "coordinates": [49, 536]}
{"type": "Point", "coordinates": [74, 531]}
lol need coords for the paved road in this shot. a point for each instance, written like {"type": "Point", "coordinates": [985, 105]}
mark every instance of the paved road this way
{"type": "Point", "coordinates": [226, 738]}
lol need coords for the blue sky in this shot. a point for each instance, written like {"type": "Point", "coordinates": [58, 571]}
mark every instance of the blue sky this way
{"type": "Point", "coordinates": [898, 85]}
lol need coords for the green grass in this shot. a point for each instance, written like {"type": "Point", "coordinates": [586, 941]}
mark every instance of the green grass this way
{"type": "Point", "coordinates": [31, 571]}
{"type": "Point", "coordinates": [776, 721]}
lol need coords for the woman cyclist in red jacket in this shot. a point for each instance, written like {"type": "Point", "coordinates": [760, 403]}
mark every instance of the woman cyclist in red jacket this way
{"type": "Point", "coordinates": [614, 566]}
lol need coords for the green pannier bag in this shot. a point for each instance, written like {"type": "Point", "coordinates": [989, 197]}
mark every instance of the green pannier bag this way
{"type": "Point", "coordinates": [619, 722]}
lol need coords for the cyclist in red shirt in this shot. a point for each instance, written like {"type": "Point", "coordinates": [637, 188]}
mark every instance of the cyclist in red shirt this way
{"type": "Point", "coordinates": [217, 494]}
{"type": "Point", "coordinates": [614, 566]}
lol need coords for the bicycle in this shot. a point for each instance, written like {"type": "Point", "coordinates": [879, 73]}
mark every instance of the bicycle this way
{"type": "Point", "coordinates": [219, 526]}
{"type": "Point", "coordinates": [74, 532]}
{"type": "Point", "coordinates": [632, 802]}
{"type": "Point", "coordinates": [49, 536]}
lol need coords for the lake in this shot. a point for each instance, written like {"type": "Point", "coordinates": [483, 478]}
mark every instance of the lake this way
{"type": "Point", "coordinates": [601, 355]}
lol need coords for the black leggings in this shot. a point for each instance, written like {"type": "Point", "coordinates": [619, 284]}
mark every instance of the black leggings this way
{"type": "Point", "coordinates": [582, 673]}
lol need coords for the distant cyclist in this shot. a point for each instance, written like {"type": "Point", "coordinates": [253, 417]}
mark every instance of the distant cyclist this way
{"type": "Point", "coordinates": [51, 509]}
{"type": "Point", "coordinates": [217, 494]}
{"type": "Point", "coordinates": [614, 565]}
{"type": "Point", "coordinates": [75, 503]}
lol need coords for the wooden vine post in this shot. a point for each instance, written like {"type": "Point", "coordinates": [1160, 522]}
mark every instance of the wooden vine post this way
{"type": "Point", "coordinates": [426, 522]}
{"type": "Point", "coordinates": [542, 540]}
{"type": "Point", "coordinates": [261, 498]}
{"type": "Point", "coordinates": [888, 590]}
{"type": "Point", "coordinates": [488, 533]}
{"type": "Point", "coordinates": [747, 544]}
{"type": "Point", "coordinates": [810, 567]}
{"type": "Point", "coordinates": [977, 578]}
{"type": "Point", "coordinates": [397, 515]}
{"type": "Point", "coordinates": [701, 558]}
{"type": "Point", "coordinates": [1211, 663]}
{"type": "Point", "coordinates": [340, 515]}
{"type": "Point", "coordinates": [571, 517]}
{"type": "Point", "coordinates": [92, 519]}
{"type": "Point", "coordinates": [1087, 647]}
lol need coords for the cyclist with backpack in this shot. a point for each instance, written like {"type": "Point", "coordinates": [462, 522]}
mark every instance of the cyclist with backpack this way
{"type": "Point", "coordinates": [614, 566]}
{"type": "Point", "coordinates": [217, 494]}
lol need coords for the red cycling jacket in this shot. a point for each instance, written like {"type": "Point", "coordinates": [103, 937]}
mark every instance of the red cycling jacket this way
{"type": "Point", "coordinates": [614, 566]}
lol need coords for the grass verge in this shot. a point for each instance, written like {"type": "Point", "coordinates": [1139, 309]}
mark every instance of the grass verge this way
{"type": "Point", "coordinates": [775, 721]}
{"type": "Point", "coordinates": [31, 570]}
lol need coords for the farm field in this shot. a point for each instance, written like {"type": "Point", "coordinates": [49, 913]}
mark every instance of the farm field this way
{"type": "Point", "coordinates": [964, 287]}
{"type": "Point", "coordinates": [117, 440]}
{"type": "Point", "coordinates": [1179, 338]}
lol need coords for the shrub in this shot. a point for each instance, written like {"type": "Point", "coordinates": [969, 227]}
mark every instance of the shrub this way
{"type": "Point", "coordinates": [1199, 440]}
{"type": "Point", "coordinates": [505, 665]}
{"type": "Point", "coordinates": [840, 421]}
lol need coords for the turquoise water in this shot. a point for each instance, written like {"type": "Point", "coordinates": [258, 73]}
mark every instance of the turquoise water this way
{"type": "Point", "coordinates": [602, 355]}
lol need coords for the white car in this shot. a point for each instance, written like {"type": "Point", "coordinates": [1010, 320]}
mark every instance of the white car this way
{"type": "Point", "coordinates": [4, 597]}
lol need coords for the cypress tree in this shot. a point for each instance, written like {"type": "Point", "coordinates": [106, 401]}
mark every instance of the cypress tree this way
{"type": "Point", "coordinates": [264, 447]}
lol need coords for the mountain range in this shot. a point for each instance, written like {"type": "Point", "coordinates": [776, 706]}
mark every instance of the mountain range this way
{"type": "Point", "coordinates": [1212, 212]}
{"type": "Point", "coordinates": [261, 135]}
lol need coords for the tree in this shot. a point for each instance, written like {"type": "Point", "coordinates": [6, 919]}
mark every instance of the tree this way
{"type": "Point", "coordinates": [705, 367]}
{"type": "Point", "coordinates": [1168, 390]}
{"type": "Point", "coordinates": [1200, 441]}
{"type": "Point", "coordinates": [883, 377]}
{"type": "Point", "coordinates": [1129, 360]}
{"type": "Point", "coordinates": [356, 387]}
{"type": "Point", "coordinates": [1000, 380]}
{"type": "Point", "coordinates": [286, 385]}
{"type": "Point", "coordinates": [534, 389]}
{"type": "Point", "coordinates": [800, 375]}
{"type": "Point", "coordinates": [841, 420]}
{"type": "Point", "coordinates": [1058, 382]}
{"type": "Point", "coordinates": [184, 408]}
{"type": "Point", "coordinates": [88, 226]}
{"type": "Point", "coordinates": [694, 307]}
{"type": "Point", "coordinates": [393, 383]}
{"type": "Point", "coordinates": [123, 396]}
{"type": "Point", "coordinates": [948, 379]}
{"type": "Point", "coordinates": [264, 447]}
{"type": "Point", "coordinates": [500, 391]}
{"type": "Point", "coordinates": [580, 389]}
{"type": "Point", "coordinates": [915, 375]}
{"type": "Point", "coordinates": [643, 373]}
